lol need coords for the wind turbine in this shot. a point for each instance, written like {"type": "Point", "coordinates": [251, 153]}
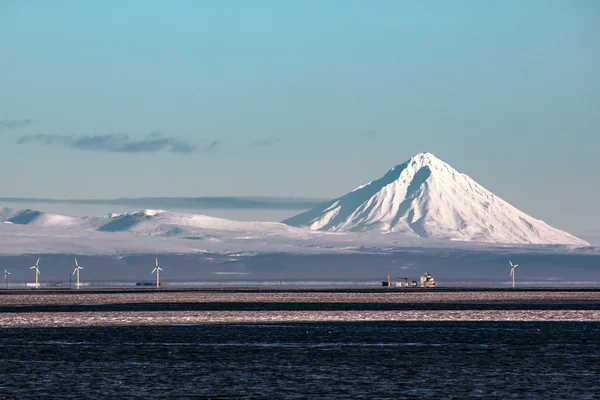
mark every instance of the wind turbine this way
{"type": "Point", "coordinates": [37, 272]}
{"type": "Point", "coordinates": [76, 270]}
{"type": "Point", "coordinates": [512, 271]}
{"type": "Point", "coordinates": [6, 274]}
{"type": "Point", "coordinates": [157, 269]}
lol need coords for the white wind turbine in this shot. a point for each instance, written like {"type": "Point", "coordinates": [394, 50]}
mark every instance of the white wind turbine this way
{"type": "Point", "coordinates": [157, 269]}
{"type": "Point", "coordinates": [6, 274]}
{"type": "Point", "coordinates": [512, 271]}
{"type": "Point", "coordinates": [37, 272]}
{"type": "Point", "coordinates": [76, 270]}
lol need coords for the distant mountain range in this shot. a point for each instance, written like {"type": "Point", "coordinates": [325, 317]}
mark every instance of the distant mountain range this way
{"type": "Point", "coordinates": [425, 197]}
{"type": "Point", "coordinates": [421, 203]}
{"type": "Point", "coordinates": [157, 231]}
{"type": "Point", "coordinates": [144, 223]}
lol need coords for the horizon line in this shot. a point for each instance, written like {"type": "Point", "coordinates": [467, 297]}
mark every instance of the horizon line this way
{"type": "Point", "coordinates": [210, 202]}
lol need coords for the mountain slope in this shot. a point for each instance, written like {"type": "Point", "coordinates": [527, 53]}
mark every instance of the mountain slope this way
{"type": "Point", "coordinates": [38, 218]}
{"type": "Point", "coordinates": [425, 197]}
{"type": "Point", "coordinates": [155, 231]}
{"type": "Point", "coordinates": [166, 223]}
{"type": "Point", "coordinates": [149, 223]}
{"type": "Point", "coordinates": [152, 231]}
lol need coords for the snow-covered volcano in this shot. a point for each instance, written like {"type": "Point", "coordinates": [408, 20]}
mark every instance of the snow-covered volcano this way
{"type": "Point", "coordinates": [426, 197]}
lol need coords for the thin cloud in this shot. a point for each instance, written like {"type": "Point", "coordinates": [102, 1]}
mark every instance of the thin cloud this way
{"type": "Point", "coordinates": [40, 138]}
{"type": "Point", "coordinates": [113, 143]}
{"type": "Point", "coordinates": [264, 142]}
{"type": "Point", "coordinates": [6, 124]}
{"type": "Point", "coordinates": [214, 145]}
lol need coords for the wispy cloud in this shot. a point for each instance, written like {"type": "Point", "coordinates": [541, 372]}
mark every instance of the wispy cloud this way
{"type": "Point", "coordinates": [114, 143]}
{"type": "Point", "coordinates": [6, 124]}
{"type": "Point", "coordinates": [213, 146]}
{"type": "Point", "coordinates": [264, 142]}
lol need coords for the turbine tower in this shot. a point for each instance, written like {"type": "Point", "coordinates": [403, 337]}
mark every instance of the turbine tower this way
{"type": "Point", "coordinates": [512, 271]}
{"type": "Point", "coordinates": [157, 269]}
{"type": "Point", "coordinates": [76, 270]}
{"type": "Point", "coordinates": [37, 272]}
{"type": "Point", "coordinates": [6, 274]}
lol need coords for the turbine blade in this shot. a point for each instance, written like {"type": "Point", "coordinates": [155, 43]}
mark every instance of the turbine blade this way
{"type": "Point", "coordinates": [77, 265]}
{"type": "Point", "coordinates": [157, 261]}
{"type": "Point", "coordinates": [510, 262]}
{"type": "Point", "coordinates": [80, 267]}
{"type": "Point", "coordinates": [153, 271]}
{"type": "Point", "coordinates": [37, 262]}
{"type": "Point", "coordinates": [35, 266]}
{"type": "Point", "coordinates": [516, 266]}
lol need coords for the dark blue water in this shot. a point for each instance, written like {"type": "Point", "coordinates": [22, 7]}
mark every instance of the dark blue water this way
{"type": "Point", "coordinates": [458, 360]}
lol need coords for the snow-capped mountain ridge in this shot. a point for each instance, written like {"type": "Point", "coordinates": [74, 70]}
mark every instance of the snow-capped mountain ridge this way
{"type": "Point", "coordinates": [150, 223]}
{"type": "Point", "coordinates": [426, 197]}
{"type": "Point", "coordinates": [35, 232]}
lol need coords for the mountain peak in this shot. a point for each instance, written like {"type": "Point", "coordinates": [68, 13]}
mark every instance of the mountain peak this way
{"type": "Point", "coordinates": [426, 197]}
{"type": "Point", "coordinates": [422, 160]}
{"type": "Point", "coordinates": [425, 158]}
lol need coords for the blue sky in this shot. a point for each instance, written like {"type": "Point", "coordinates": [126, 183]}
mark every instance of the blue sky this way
{"type": "Point", "coordinates": [287, 98]}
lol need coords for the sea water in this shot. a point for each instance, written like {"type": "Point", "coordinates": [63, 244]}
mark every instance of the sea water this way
{"type": "Point", "coordinates": [321, 360]}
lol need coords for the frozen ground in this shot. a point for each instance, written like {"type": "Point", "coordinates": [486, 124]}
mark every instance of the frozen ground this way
{"type": "Point", "coordinates": [377, 296]}
{"type": "Point", "coordinates": [183, 318]}
{"type": "Point", "coordinates": [67, 309]}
